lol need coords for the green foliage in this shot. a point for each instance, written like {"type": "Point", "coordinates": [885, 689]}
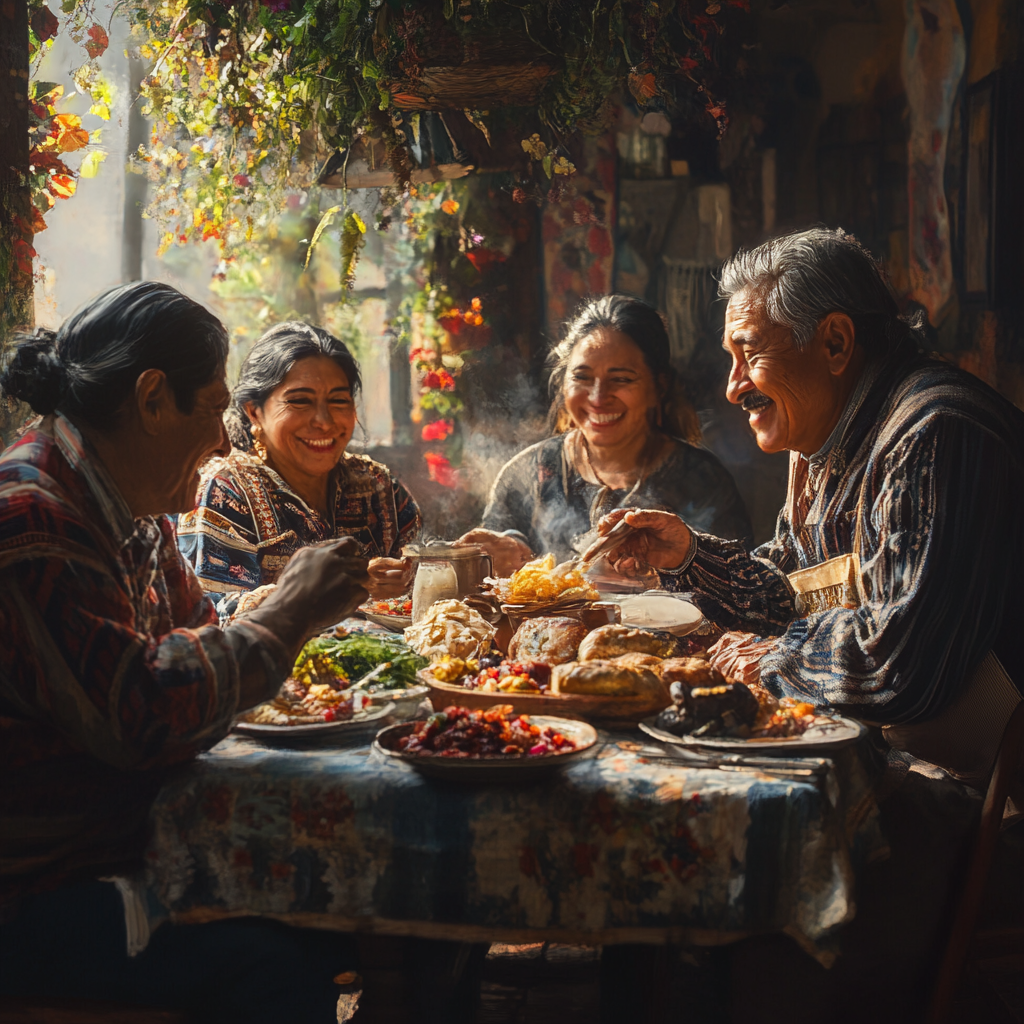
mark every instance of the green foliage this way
{"type": "Point", "coordinates": [250, 97]}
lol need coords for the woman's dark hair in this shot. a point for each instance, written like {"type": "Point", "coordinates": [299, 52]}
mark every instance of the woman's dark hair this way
{"type": "Point", "coordinates": [88, 369]}
{"type": "Point", "coordinates": [644, 325]}
{"type": "Point", "coordinates": [268, 363]}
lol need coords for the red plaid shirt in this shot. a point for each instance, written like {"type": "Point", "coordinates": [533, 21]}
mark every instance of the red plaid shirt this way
{"type": "Point", "coordinates": [112, 666]}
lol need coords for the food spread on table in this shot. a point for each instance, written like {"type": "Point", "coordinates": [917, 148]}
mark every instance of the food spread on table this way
{"type": "Point", "coordinates": [335, 676]}
{"type": "Point", "coordinates": [459, 732]}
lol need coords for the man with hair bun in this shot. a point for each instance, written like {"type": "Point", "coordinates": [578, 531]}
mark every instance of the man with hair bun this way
{"type": "Point", "coordinates": [113, 668]}
{"type": "Point", "coordinates": [892, 588]}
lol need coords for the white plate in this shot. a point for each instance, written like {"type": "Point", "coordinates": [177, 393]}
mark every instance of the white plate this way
{"type": "Point", "coordinates": [495, 768]}
{"type": "Point", "coordinates": [828, 731]}
{"type": "Point", "coordinates": [658, 609]}
{"type": "Point", "coordinates": [362, 726]}
{"type": "Point", "coordinates": [396, 623]}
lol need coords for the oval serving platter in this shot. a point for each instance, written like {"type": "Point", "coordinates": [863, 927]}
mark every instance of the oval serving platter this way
{"type": "Point", "coordinates": [830, 732]}
{"type": "Point", "coordinates": [495, 769]}
{"type": "Point", "coordinates": [351, 731]}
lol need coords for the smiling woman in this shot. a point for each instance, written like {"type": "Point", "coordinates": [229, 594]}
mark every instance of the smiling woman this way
{"type": "Point", "coordinates": [288, 481]}
{"type": "Point", "coordinates": [624, 437]}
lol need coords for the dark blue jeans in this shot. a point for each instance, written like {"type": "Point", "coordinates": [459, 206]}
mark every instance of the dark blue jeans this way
{"type": "Point", "coordinates": [71, 943]}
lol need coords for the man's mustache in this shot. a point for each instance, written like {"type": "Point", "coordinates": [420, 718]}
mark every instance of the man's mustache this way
{"type": "Point", "coordinates": [754, 400]}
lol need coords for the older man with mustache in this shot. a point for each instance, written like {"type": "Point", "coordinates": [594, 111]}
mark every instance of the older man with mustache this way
{"type": "Point", "coordinates": [891, 589]}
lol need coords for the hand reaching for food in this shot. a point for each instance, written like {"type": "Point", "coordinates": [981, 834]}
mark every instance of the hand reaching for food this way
{"type": "Point", "coordinates": [389, 577]}
{"type": "Point", "coordinates": [319, 586]}
{"type": "Point", "coordinates": [507, 553]}
{"type": "Point", "coordinates": [660, 540]}
{"type": "Point", "coordinates": [738, 656]}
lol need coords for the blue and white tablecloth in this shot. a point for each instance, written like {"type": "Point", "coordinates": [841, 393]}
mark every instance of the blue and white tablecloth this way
{"type": "Point", "coordinates": [616, 848]}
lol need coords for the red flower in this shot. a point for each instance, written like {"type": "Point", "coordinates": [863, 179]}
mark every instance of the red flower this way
{"type": "Point", "coordinates": [438, 430]}
{"type": "Point", "coordinates": [482, 258]}
{"type": "Point", "coordinates": [440, 470]}
{"type": "Point", "coordinates": [242, 180]}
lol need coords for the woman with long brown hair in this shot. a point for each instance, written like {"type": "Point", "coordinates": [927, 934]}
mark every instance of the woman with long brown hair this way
{"type": "Point", "coordinates": [623, 435]}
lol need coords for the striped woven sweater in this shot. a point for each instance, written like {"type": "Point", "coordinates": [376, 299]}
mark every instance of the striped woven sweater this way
{"type": "Point", "coordinates": [931, 462]}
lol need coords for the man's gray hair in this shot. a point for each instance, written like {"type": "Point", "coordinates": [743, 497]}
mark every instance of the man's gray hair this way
{"type": "Point", "coordinates": [801, 277]}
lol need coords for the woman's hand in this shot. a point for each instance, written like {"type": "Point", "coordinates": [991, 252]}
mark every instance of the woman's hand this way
{"type": "Point", "coordinates": [660, 540]}
{"type": "Point", "coordinates": [507, 553]}
{"type": "Point", "coordinates": [389, 577]}
{"type": "Point", "coordinates": [738, 656]}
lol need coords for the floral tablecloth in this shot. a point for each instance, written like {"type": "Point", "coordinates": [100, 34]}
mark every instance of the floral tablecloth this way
{"type": "Point", "coordinates": [616, 848]}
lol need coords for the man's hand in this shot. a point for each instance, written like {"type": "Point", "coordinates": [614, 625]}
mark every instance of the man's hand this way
{"type": "Point", "coordinates": [660, 540]}
{"type": "Point", "coordinates": [738, 656]}
{"type": "Point", "coordinates": [319, 586]}
{"type": "Point", "coordinates": [507, 553]}
{"type": "Point", "coordinates": [389, 577]}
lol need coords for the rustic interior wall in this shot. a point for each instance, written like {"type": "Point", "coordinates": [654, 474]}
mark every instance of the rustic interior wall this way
{"type": "Point", "coordinates": [899, 122]}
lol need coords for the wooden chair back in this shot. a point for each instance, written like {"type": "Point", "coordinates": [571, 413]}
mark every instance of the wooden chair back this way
{"type": "Point", "coordinates": [965, 915]}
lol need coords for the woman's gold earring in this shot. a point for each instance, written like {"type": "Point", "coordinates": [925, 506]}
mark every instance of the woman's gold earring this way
{"type": "Point", "coordinates": [257, 444]}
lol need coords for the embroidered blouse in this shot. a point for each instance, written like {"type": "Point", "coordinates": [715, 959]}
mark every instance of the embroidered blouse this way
{"type": "Point", "coordinates": [541, 495]}
{"type": "Point", "coordinates": [112, 666]}
{"type": "Point", "coordinates": [929, 462]}
{"type": "Point", "coordinates": [248, 522]}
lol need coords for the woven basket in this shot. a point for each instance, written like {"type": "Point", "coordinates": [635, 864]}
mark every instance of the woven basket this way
{"type": "Point", "coordinates": [606, 711]}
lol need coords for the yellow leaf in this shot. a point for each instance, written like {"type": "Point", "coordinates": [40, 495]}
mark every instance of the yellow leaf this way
{"type": "Point", "coordinates": [100, 110]}
{"type": "Point", "coordinates": [91, 164]}
{"type": "Point", "coordinates": [324, 221]}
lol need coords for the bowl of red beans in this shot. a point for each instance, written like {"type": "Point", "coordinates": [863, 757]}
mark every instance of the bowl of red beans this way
{"type": "Point", "coordinates": [486, 744]}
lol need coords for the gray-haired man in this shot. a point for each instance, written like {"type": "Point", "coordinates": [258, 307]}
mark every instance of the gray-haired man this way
{"type": "Point", "coordinates": [891, 589]}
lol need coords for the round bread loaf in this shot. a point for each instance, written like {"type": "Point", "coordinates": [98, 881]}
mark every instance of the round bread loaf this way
{"type": "Point", "coordinates": [553, 639]}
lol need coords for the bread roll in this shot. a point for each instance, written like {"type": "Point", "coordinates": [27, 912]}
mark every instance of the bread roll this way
{"type": "Point", "coordinates": [606, 679]}
{"type": "Point", "coordinates": [637, 660]}
{"type": "Point", "coordinates": [689, 671]}
{"type": "Point", "coordinates": [610, 641]}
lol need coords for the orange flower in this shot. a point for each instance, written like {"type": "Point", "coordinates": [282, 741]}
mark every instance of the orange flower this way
{"type": "Point", "coordinates": [450, 206]}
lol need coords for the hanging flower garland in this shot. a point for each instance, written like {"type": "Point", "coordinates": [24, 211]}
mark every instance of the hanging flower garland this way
{"type": "Point", "coordinates": [250, 98]}
{"type": "Point", "coordinates": [442, 331]}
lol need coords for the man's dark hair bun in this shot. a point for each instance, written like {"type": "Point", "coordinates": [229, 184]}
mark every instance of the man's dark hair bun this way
{"type": "Point", "coordinates": [34, 373]}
